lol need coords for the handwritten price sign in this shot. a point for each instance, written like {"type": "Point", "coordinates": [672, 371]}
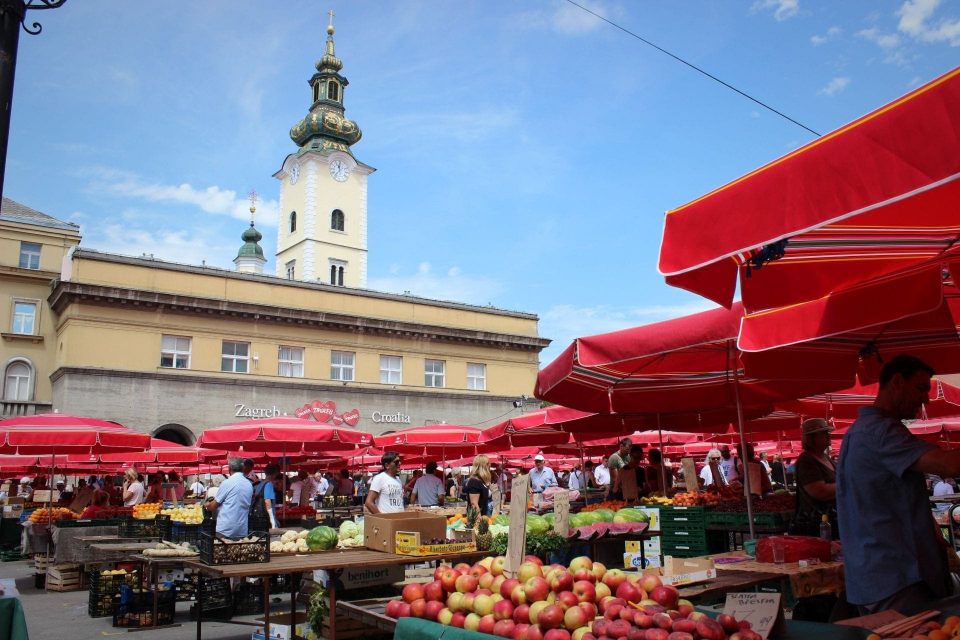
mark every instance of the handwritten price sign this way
{"type": "Point", "coordinates": [761, 610]}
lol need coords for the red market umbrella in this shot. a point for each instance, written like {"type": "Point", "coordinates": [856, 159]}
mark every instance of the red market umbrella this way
{"type": "Point", "coordinates": [56, 433]}
{"type": "Point", "coordinates": [436, 439]}
{"type": "Point", "coordinates": [160, 452]}
{"type": "Point", "coordinates": [846, 404]}
{"type": "Point", "coordinates": [283, 434]}
{"type": "Point", "coordinates": [873, 198]}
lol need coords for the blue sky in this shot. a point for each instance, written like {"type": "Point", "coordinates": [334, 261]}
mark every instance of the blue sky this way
{"type": "Point", "coordinates": [525, 151]}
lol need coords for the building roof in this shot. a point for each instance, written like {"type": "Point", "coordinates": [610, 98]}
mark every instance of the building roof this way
{"type": "Point", "coordinates": [13, 211]}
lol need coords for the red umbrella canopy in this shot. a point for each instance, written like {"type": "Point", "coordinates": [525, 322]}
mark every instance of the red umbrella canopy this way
{"type": "Point", "coordinates": [549, 426]}
{"type": "Point", "coordinates": [283, 434]}
{"type": "Point", "coordinates": [438, 439]}
{"type": "Point", "coordinates": [55, 433]}
{"type": "Point", "coordinates": [846, 404]}
{"type": "Point", "coordinates": [682, 369]}
{"type": "Point", "coordinates": [160, 452]}
{"type": "Point", "coordinates": [875, 197]}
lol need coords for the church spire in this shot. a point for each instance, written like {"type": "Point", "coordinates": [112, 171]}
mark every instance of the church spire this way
{"type": "Point", "coordinates": [250, 257]}
{"type": "Point", "coordinates": [325, 128]}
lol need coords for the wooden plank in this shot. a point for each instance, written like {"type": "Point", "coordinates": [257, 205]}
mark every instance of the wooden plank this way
{"type": "Point", "coordinates": [517, 540]}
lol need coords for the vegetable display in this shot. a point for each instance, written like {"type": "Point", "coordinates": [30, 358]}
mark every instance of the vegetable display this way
{"type": "Point", "coordinates": [322, 538]}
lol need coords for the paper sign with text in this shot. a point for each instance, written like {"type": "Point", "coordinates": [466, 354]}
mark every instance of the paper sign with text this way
{"type": "Point", "coordinates": [762, 610]}
{"type": "Point", "coordinates": [561, 513]}
{"type": "Point", "coordinates": [756, 480]}
{"type": "Point", "coordinates": [517, 536]}
{"type": "Point", "coordinates": [690, 474]}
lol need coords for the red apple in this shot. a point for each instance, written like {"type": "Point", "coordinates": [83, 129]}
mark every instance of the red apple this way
{"type": "Point", "coordinates": [483, 592]}
{"type": "Point", "coordinates": [581, 562]}
{"type": "Point", "coordinates": [418, 608]}
{"type": "Point", "coordinates": [518, 596]}
{"type": "Point", "coordinates": [466, 602]}
{"type": "Point", "coordinates": [520, 631]}
{"type": "Point", "coordinates": [599, 627]}
{"type": "Point", "coordinates": [574, 618]}
{"type": "Point", "coordinates": [618, 628]}
{"type": "Point", "coordinates": [497, 583]}
{"type": "Point", "coordinates": [649, 581]}
{"type": "Point", "coordinates": [496, 567]}
{"type": "Point", "coordinates": [486, 581]}
{"type": "Point", "coordinates": [557, 634]}
{"type": "Point", "coordinates": [744, 624]}
{"type": "Point", "coordinates": [440, 569]}
{"type": "Point", "coordinates": [728, 622]}
{"type": "Point", "coordinates": [521, 613]}
{"type": "Point", "coordinates": [454, 600]}
{"type": "Point", "coordinates": [504, 628]}
{"type": "Point", "coordinates": [472, 622]}
{"type": "Point", "coordinates": [529, 570]}
{"type": "Point", "coordinates": [581, 634]}
{"type": "Point", "coordinates": [627, 613]}
{"type": "Point", "coordinates": [445, 616]}
{"type": "Point", "coordinates": [448, 578]}
{"type": "Point", "coordinates": [433, 591]}
{"type": "Point", "coordinates": [534, 632]}
{"type": "Point", "coordinates": [610, 601]}
{"type": "Point", "coordinates": [477, 570]}
{"type": "Point", "coordinates": [685, 607]}
{"type": "Point", "coordinates": [599, 570]}
{"type": "Point", "coordinates": [637, 634]}
{"type": "Point", "coordinates": [462, 567]}
{"type": "Point", "coordinates": [487, 623]}
{"type": "Point", "coordinates": [656, 634]}
{"type": "Point", "coordinates": [590, 608]}
{"type": "Point", "coordinates": [534, 559]}
{"type": "Point", "coordinates": [486, 562]}
{"type": "Point", "coordinates": [533, 612]}
{"type": "Point", "coordinates": [680, 635]}
{"type": "Point", "coordinates": [613, 578]}
{"type": "Point", "coordinates": [585, 591]}
{"type": "Point", "coordinates": [392, 608]}
{"type": "Point", "coordinates": [736, 635]}
{"type": "Point", "coordinates": [413, 592]}
{"type": "Point", "coordinates": [536, 588]}
{"type": "Point", "coordinates": [458, 619]}
{"type": "Point", "coordinates": [483, 605]}
{"type": "Point", "coordinates": [507, 587]}
{"type": "Point", "coordinates": [603, 591]}
{"type": "Point", "coordinates": [630, 592]}
{"type": "Point", "coordinates": [666, 596]}
{"type": "Point", "coordinates": [642, 620]}
{"type": "Point", "coordinates": [584, 574]}
{"type": "Point", "coordinates": [676, 615]}
{"type": "Point", "coordinates": [685, 626]}
{"type": "Point", "coordinates": [698, 615]}
{"type": "Point", "coordinates": [550, 617]}
{"type": "Point", "coordinates": [710, 629]}
{"type": "Point", "coordinates": [560, 580]}
{"type": "Point", "coordinates": [503, 610]}
{"type": "Point", "coordinates": [433, 609]}
{"type": "Point", "coordinates": [663, 621]}
{"type": "Point", "coordinates": [612, 611]}
{"type": "Point", "coordinates": [466, 583]}
{"type": "Point", "coordinates": [567, 599]}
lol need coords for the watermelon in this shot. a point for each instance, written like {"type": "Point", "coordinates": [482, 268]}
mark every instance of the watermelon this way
{"type": "Point", "coordinates": [590, 517]}
{"type": "Point", "coordinates": [605, 515]}
{"type": "Point", "coordinates": [577, 520]}
{"type": "Point", "coordinates": [322, 538]}
{"type": "Point", "coordinates": [630, 515]}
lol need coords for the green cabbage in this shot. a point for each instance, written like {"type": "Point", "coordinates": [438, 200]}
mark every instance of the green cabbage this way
{"type": "Point", "coordinates": [536, 524]}
{"type": "Point", "coordinates": [348, 529]}
{"type": "Point", "coordinates": [322, 538]}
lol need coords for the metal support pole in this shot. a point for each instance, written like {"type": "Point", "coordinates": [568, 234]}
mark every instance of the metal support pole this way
{"type": "Point", "coordinates": [733, 363]}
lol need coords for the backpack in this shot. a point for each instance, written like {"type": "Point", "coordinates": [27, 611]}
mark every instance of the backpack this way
{"type": "Point", "coordinates": [259, 518]}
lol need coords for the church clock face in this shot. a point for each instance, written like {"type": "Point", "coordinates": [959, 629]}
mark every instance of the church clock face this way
{"type": "Point", "coordinates": [295, 173]}
{"type": "Point", "coordinates": [339, 170]}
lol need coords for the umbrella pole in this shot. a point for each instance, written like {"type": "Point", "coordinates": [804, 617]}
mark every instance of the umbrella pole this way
{"type": "Point", "coordinates": [743, 441]}
{"type": "Point", "coordinates": [663, 467]}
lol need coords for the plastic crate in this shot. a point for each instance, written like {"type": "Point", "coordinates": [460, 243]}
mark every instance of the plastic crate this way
{"type": "Point", "coordinates": [134, 528]}
{"type": "Point", "coordinates": [89, 522]}
{"type": "Point", "coordinates": [135, 608]}
{"type": "Point", "coordinates": [214, 594]}
{"type": "Point", "coordinates": [682, 515]}
{"type": "Point", "coordinates": [214, 551]}
{"type": "Point", "coordinates": [105, 592]}
{"type": "Point", "coordinates": [248, 599]}
{"type": "Point", "coordinates": [712, 542]}
{"type": "Point", "coordinates": [180, 532]}
{"type": "Point", "coordinates": [187, 588]}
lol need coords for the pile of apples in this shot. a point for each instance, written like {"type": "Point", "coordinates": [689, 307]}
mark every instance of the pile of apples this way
{"type": "Point", "coordinates": [584, 601]}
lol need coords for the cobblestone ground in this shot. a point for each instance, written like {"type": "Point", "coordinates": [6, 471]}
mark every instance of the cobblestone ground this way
{"type": "Point", "coordinates": [54, 615]}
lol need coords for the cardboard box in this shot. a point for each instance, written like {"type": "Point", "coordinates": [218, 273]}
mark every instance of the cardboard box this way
{"type": "Point", "coordinates": [683, 571]}
{"type": "Point", "coordinates": [280, 627]}
{"type": "Point", "coordinates": [380, 530]}
{"type": "Point", "coordinates": [367, 577]}
{"type": "Point", "coordinates": [654, 514]}
{"type": "Point", "coordinates": [12, 510]}
{"type": "Point", "coordinates": [408, 543]}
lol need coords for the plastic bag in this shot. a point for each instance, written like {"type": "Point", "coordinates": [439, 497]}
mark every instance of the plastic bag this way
{"type": "Point", "coordinates": [795, 548]}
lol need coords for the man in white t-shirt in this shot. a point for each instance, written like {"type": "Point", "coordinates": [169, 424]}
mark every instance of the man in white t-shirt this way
{"type": "Point", "coordinates": [728, 464]}
{"type": "Point", "coordinates": [386, 493]}
{"type": "Point", "coordinates": [714, 459]}
{"type": "Point", "coordinates": [301, 489]}
{"type": "Point", "coordinates": [602, 474]}
{"type": "Point", "coordinates": [197, 487]}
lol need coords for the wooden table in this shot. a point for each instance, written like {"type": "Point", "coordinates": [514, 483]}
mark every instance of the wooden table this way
{"type": "Point", "coordinates": [725, 582]}
{"type": "Point", "coordinates": [333, 562]}
{"type": "Point", "coordinates": [812, 580]}
{"type": "Point", "coordinates": [119, 548]}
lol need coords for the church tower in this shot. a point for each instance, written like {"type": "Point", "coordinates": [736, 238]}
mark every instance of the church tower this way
{"type": "Point", "coordinates": [322, 231]}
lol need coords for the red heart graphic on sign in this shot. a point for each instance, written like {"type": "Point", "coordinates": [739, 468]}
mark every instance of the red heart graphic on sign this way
{"type": "Point", "coordinates": [302, 412]}
{"type": "Point", "coordinates": [352, 417]}
{"type": "Point", "coordinates": [324, 411]}
{"type": "Point", "coordinates": [337, 420]}
{"type": "Point", "coordinates": [316, 410]}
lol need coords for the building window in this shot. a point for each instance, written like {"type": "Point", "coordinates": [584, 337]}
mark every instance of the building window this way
{"type": "Point", "coordinates": [341, 365]}
{"type": "Point", "coordinates": [17, 381]}
{"type": "Point", "coordinates": [433, 373]}
{"type": "Point", "coordinates": [24, 318]}
{"type": "Point", "coordinates": [476, 376]}
{"type": "Point", "coordinates": [291, 362]}
{"type": "Point", "coordinates": [333, 90]}
{"type": "Point", "coordinates": [391, 369]}
{"type": "Point", "coordinates": [235, 357]}
{"type": "Point", "coordinates": [29, 255]}
{"type": "Point", "coordinates": [336, 272]}
{"type": "Point", "coordinates": [291, 270]}
{"type": "Point", "coordinates": [316, 91]}
{"type": "Point", "coordinates": [175, 352]}
{"type": "Point", "coordinates": [293, 221]}
{"type": "Point", "coordinates": [337, 220]}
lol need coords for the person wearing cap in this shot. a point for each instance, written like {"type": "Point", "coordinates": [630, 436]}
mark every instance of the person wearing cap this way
{"type": "Point", "coordinates": [816, 480]}
{"type": "Point", "coordinates": [541, 477]}
{"type": "Point", "coordinates": [894, 555]}
{"type": "Point", "coordinates": [25, 491]}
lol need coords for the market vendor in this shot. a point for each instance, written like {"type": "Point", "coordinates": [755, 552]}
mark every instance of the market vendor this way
{"type": "Point", "coordinates": [98, 505]}
{"type": "Point", "coordinates": [894, 554]}
{"type": "Point", "coordinates": [386, 492]}
{"type": "Point", "coordinates": [541, 477]}
{"type": "Point", "coordinates": [816, 480]}
{"type": "Point", "coordinates": [615, 462]}
{"type": "Point", "coordinates": [232, 502]}
{"type": "Point", "coordinates": [656, 473]}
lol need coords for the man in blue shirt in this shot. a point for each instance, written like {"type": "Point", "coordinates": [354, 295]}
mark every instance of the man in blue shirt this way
{"type": "Point", "coordinates": [894, 555]}
{"type": "Point", "coordinates": [232, 502]}
{"type": "Point", "coordinates": [541, 477]}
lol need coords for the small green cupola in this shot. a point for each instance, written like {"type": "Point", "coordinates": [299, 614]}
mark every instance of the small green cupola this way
{"type": "Point", "coordinates": [250, 257]}
{"type": "Point", "coordinates": [325, 127]}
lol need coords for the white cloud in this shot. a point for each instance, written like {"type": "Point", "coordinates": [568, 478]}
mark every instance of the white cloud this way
{"type": "Point", "coordinates": [914, 15]}
{"type": "Point", "coordinates": [782, 9]}
{"type": "Point", "coordinates": [212, 199]}
{"type": "Point", "coordinates": [449, 285]}
{"type": "Point", "coordinates": [565, 322]}
{"type": "Point", "coordinates": [566, 19]}
{"type": "Point", "coordinates": [883, 40]}
{"type": "Point", "coordinates": [185, 246]}
{"type": "Point", "coordinates": [834, 86]}
{"type": "Point", "coordinates": [831, 34]}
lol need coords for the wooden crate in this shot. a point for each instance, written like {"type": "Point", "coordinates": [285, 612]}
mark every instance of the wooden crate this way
{"type": "Point", "coordinates": [361, 618]}
{"type": "Point", "coordinates": [40, 561]}
{"type": "Point", "coordinates": [417, 574]}
{"type": "Point", "coordinates": [64, 577]}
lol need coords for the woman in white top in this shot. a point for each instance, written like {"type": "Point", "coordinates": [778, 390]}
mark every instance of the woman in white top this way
{"type": "Point", "coordinates": [132, 488]}
{"type": "Point", "coordinates": [386, 492]}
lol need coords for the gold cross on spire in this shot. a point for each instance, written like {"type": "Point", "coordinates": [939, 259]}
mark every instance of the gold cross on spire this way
{"type": "Point", "coordinates": [253, 203]}
{"type": "Point", "coordinates": [330, 13]}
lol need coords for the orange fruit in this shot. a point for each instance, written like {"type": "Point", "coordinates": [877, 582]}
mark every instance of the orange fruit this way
{"type": "Point", "coordinates": [938, 634]}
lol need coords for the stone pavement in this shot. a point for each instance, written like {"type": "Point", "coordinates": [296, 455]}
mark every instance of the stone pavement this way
{"type": "Point", "coordinates": [53, 615]}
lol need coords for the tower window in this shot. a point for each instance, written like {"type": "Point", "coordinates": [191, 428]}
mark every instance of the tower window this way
{"type": "Point", "coordinates": [337, 268]}
{"type": "Point", "coordinates": [333, 90]}
{"type": "Point", "coordinates": [291, 270]}
{"type": "Point", "coordinates": [316, 91]}
{"type": "Point", "coordinates": [293, 221]}
{"type": "Point", "coordinates": [337, 220]}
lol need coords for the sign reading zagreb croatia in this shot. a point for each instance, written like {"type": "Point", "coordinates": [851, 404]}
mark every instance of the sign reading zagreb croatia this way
{"type": "Point", "coordinates": [321, 412]}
